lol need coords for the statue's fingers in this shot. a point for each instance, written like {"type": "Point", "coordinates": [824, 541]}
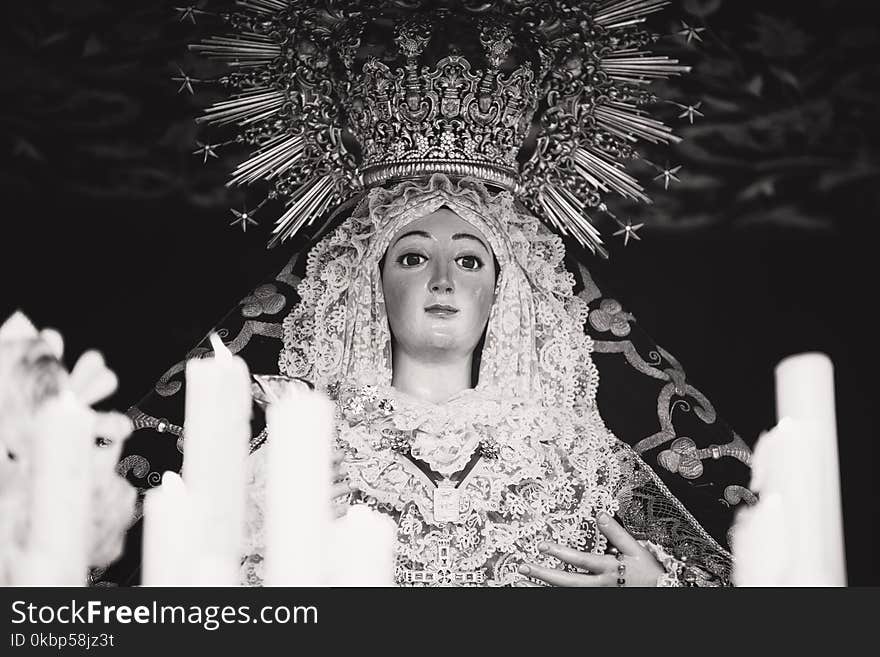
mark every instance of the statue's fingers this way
{"type": "Point", "coordinates": [617, 535]}
{"type": "Point", "coordinates": [595, 563]}
{"type": "Point", "coordinates": [556, 577]}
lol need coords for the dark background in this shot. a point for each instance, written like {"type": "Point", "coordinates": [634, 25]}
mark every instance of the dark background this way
{"type": "Point", "coordinates": [115, 233]}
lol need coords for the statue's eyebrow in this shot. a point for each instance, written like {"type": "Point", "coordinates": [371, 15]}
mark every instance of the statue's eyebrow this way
{"type": "Point", "coordinates": [468, 236]}
{"type": "Point", "coordinates": [457, 236]}
{"type": "Point", "coordinates": [416, 233]}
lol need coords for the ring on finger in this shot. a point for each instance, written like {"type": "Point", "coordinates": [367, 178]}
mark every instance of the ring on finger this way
{"type": "Point", "coordinates": [621, 570]}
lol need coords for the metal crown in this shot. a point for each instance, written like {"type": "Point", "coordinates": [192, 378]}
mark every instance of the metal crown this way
{"type": "Point", "coordinates": [543, 98]}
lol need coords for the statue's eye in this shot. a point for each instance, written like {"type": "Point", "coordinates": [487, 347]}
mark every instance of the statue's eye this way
{"type": "Point", "coordinates": [411, 259]}
{"type": "Point", "coordinates": [470, 262]}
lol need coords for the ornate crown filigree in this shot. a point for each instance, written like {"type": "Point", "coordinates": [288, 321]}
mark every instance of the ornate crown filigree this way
{"type": "Point", "coordinates": [445, 117]}
{"type": "Point", "coordinates": [542, 97]}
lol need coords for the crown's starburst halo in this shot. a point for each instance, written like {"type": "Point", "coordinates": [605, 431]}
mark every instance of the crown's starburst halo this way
{"type": "Point", "coordinates": [329, 110]}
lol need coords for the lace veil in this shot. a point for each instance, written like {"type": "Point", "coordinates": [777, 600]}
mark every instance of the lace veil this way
{"type": "Point", "coordinates": [536, 387]}
{"type": "Point", "coordinates": [535, 346]}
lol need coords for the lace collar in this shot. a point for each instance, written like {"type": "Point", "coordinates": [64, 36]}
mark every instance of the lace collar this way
{"type": "Point", "coordinates": [542, 474]}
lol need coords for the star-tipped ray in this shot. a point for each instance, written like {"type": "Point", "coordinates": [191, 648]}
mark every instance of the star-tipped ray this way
{"type": "Point", "coordinates": [188, 12]}
{"type": "Point", "coordinates": [668, 175]}
{"type": "Point", "coordinates": [690, 111]}
{"type": "Point", "coordinates": [690, 33]}
{"type": "Point", "coordinates": [244, 218]}
{"type": "Point", "coordinates": [186, 81]}
{"type": "Point", "coordinates": [628, 230]}
{"type": "Point", "coordinates": [206, 150]}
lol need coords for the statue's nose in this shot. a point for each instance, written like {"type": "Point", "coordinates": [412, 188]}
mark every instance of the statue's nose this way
{"type": "Point", "coordinates": [441, 281]}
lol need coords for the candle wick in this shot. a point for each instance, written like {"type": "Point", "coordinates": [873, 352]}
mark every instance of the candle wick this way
{"type": "Point", "coordinates": [220, 349]}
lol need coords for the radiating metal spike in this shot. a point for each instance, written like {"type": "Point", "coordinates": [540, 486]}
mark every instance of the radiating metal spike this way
{"type": "Point", "coordinates": [270, 161]}
{"type": "Point", "coordinates": [309, 202]}
{"type": "Point", "coordinates": [617, 12]}
{"type": "Point", "coordinates": [242, 50]}
{"type": "Point", "coordinates": [567, 213]}
{"type": "Point", "coordinates": [630, 122]}
{"type": "Point", "coordinates": [611, 173]}
{"type": "Point", "coordinates": [244, 109]}
{"type": "Point", "coordinates": [271, 7]}
{"type": "Point", "coordinates": [634, 64]}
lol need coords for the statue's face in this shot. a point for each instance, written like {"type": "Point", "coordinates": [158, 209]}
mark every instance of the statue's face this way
{"type": "Point", "coordinates": [438, 279]}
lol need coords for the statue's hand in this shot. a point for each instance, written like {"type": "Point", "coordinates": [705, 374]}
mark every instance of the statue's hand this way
{"type": "Point", "coordinates": [640, 568]}
{"type": "Point", "coordinates": [341, 487]}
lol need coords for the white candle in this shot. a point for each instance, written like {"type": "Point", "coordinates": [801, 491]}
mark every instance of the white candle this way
{"type": "Point", "coordinates": [364, 548]}
{"type": "Point", "coordinates": [805, 393]}
{"type": "Point", "coordinates": [168, 539]}
{"type": "Point", "coordinates": [217, 432]}
{"type": "Point", "coordinates": [768, 537]}
{"type": "Point", "coordinates": [60, 529]}
{"type": "Point", "coordinates": [793, 535]}
{"type": "Point", "coordinates": [298, 506]}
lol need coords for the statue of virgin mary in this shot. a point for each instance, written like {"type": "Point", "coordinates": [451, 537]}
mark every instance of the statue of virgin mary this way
{"type": "Point", "coordinates": [508, 414]}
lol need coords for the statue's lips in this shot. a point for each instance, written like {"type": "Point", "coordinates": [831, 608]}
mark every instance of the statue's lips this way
{"type": "Point", "coordinates": [438, 310]}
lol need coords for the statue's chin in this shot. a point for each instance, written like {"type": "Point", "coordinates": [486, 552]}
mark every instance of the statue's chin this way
{"type": "Point", "coordinates": [444, 346]}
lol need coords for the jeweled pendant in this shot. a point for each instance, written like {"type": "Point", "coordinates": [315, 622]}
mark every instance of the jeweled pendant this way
{"type": "Point", "coordinates": [447, 502]}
